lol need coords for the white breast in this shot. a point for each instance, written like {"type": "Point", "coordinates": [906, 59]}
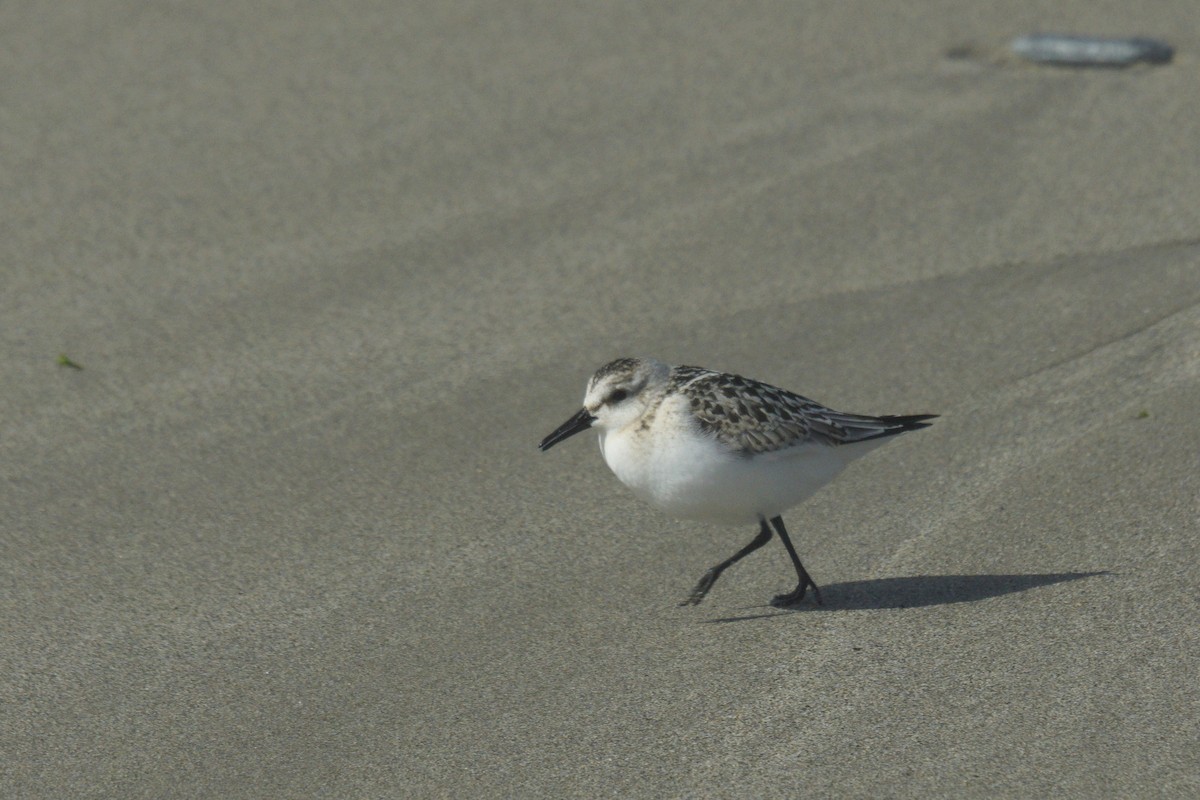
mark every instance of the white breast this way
{"type": "Point", "coordinates": [690, 476]}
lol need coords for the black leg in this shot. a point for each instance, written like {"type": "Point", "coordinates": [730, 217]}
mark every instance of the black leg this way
{"type": "Point", "coordinates": [710, 577]}
{"type": "Point", "coordinates": [785, 600]}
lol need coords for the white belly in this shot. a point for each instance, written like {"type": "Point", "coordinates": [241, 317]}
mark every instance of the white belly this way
{"type": "Point", "coordinates": [692, 477]}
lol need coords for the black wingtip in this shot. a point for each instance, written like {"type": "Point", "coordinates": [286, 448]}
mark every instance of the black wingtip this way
{"type": "Point", "coordinates": [912, 422]}
{"type": "Point", "coordinates": [898, 424]}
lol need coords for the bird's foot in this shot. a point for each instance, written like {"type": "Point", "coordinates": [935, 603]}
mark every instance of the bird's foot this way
{"type": "Point", "coordinates": [792, 599]}
{"type": "Point", "coordinates": [702, 588]}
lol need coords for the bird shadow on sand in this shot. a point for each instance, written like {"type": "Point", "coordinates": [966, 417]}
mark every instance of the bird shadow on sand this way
{"type": "Point", "coordinates": [915, 591]}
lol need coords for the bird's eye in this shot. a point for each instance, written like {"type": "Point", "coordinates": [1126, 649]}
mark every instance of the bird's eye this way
{"type": "Point", "coordinates": [618, 396]}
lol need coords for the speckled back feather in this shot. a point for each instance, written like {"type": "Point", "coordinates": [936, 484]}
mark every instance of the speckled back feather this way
{"type": "Point", "coordinates": [751, 417]}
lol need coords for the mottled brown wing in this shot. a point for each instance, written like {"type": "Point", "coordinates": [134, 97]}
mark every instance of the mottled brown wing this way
{"type": "Point", "coordinates": [751, 417]}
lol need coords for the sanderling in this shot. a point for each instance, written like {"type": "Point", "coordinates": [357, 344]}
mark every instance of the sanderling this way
{"type": "Point", "coordinates": [716, 447]}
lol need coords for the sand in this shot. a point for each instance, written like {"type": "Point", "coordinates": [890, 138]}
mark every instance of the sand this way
{"type": "Point", "coordinates": [332, 272]}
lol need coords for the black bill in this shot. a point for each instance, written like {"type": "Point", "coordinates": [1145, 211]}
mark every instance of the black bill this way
{"type": "Point", "coordinates": [580, 422]}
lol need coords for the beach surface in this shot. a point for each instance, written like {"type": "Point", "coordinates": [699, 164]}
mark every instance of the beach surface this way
{"type": "Point", "coordinates": [291, 292]}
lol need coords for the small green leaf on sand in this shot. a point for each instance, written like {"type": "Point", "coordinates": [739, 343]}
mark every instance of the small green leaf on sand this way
{"type": "Point", "coordinates": [1143, 414]}
{"type": "Point", "coordinates": [64, 361]}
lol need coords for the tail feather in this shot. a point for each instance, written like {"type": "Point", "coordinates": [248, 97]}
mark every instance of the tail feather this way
{"type": "Point", "coordinates": [911, 422]}
{"type": "Point", "coordinates": [900, 424]}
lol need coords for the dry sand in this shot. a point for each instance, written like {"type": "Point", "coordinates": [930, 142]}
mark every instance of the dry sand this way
{"type": "Point", "coordinates": [333, 271]}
